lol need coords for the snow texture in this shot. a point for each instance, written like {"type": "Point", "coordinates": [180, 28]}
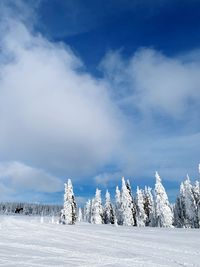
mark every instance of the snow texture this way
{"type": "Point", "coordinates": [24, 241]}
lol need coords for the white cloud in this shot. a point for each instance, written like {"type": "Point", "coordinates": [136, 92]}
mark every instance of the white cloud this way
{"type": "Point", "coordinates": [154, 82]}
{"type": "Point", "coordinates": [17, 177]}
{"type": "Point", "coordinates": [57, 117]}
{"type": "Point", "coordinates": [53, 114]}
{"type": "Point", "coordinates": [161, 98]}
{"type": "Point", "coordinates": [105, 179]}
{"type": "Point", "coordinates": [163, 83]}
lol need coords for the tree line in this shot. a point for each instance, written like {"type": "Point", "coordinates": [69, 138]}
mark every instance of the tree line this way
{"type": "Point", "coordinates": [146, 208]}
{"type": "Point", "coordinates": [33, 209]}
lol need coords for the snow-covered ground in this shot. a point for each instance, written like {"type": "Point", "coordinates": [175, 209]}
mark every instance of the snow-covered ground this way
{"type": "Point", "coordinates": [25, 241]}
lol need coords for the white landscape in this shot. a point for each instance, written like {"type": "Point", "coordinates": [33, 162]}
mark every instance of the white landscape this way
{"type": "Point", "coordinates": [99, 94]}
{"type": "Point", "coordinates": [25, 241]}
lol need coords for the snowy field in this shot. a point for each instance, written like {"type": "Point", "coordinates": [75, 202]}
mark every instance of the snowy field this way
{"type": "Point", "coordinates": [25, 241]}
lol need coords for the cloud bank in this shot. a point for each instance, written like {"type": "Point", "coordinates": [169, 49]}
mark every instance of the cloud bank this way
{"type": "Point", "coordinates": [160, 95]}
{"type": "Point", "coordinates": [53, 114]}
{"type": "Point", "coordinates": [58, 120]}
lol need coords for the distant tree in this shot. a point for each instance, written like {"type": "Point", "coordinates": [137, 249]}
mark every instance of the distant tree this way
{"type": "Point", "coordinates": [149, 207]}
{"type": "Point", "coordinates": [108, 213]}
{"type": "Point", "coordinates": [127, 205]}
{"type": "Point", "coordinates": [179, 210]}
{"type": "Point", "coordinates": [141, 215]}
{"type": "Point", "coordinates": [80, 215]}
{"type": "Point", "coordinates": [188, 205]}
{"type": "Point", "coordinates": [42, 219]}
{"type": "Point", "coordinates": [68, 213]}
{"type": "Point", "coordinates": [133, 204]}
{"type": "Point", "coordinates": [87, 211]}
{"type": "Point", "coordinates": [97, 209]}
{"type": "Point", "coordinates": [118, 207]}
{"type": "Point", "coordinates": [163, 211]}
{"type": "Point", "coordinates": [34, 209]}
{"type": "Point", "coordinates": [196, 192]}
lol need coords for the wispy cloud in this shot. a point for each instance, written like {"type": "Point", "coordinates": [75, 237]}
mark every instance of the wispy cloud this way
{"type": "Point", "coordinates": [153, 82]}
{"type": "Point", "coordinates": [16, 178]}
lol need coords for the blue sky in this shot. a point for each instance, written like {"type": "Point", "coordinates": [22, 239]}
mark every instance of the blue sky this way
{"type": "Point", "coordinates": [93, 90]}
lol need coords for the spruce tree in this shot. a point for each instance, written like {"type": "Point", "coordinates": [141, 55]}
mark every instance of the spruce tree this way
{"type": "Point", "coordinates": [97, 209]}
{"type": "Point", "coordinates": [80, 215]}
{"type": "Point", "coordinates": [188, 205]}
{"type": "Point", "coordinates": [163, 212]}
{"type": "Point", "coordinates": [179, 210]}
{"type": "Point", "coordinates": [118, 207]}
{"type": "Point", "coordinates": [108, 214]}
{"type": "Point", "coordinates": [87, 211]}
{"type": "Point", "coordinates": [127, 205]}
{"type": "Point", "coordinates": [68, 213]}
{"type": "Point", "coordinates": [141, 215]}
{"type": "Point", "coordinates": [149, 207]}
{"type": "Point", "coordinates": [196, 192]}
{"type": "Point", "coordinates": [133, 204]}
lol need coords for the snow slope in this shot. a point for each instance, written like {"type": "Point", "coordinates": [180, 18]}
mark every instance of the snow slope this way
{"type": "Point", "coordinates": [24, 241]}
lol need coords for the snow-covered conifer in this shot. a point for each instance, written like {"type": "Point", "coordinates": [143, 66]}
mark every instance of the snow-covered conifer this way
{"type": "Point", "coordinates": [97, 209]}
{"type": "Point", "coordinates": [118, 207]}
{"type": "Point", "coordinates": [163, 212]}
{"type": "Point", "coordinates": [179, 209]}
{"type": "Point", "coordinates": [127, 205]}
{"type": "Point", "coordinates": [68, 213]}
{"type": "Point", "coordinates": [188, 205]}
{"type": "Point", "coordinates": [42, 219]}
{"type": "Point", "coordinates": [140, 212]}
{"type": "Point", "coordinates": [149, 207]}
{"type": "Point", "coordinates": [196, 192]}
{"type": "Point", "coordinates": [128, 185]}
{"type": "Point", "coordinates": [80, 215]}
{"type": "Point", "coordinates": [108, 213]}
{"type": "Point", "coordinates": [87, 211]}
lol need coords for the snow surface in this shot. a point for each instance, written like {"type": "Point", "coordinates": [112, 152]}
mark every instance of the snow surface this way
{"type": "Point", "coordinates": [25, 241]}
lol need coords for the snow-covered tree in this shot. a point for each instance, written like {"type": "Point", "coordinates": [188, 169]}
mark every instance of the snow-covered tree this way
{"type": "Point", "coordinates": [149, 207]}
{"type": "Point", "coordinates": [108, 213]}
{"type": "Point", "coordinates": [140, 212]}
{"type": "Point", "coordinates": [128, 185]}
{"type": "Point", "coordinates": [97, 209]}
{"type": "Point", "coordinates": [87, 211]}
{"type": "Point", "coordinates": [118, 207]}
{"type": "Point", "coordinates": [196, 192]}
{"type": "Point", "coordinates": [127, 205]}
{"type": "Point", "coordinates": [68, 213]}
{"type": "Point", "coordinates": [80, 215]}
{"type": "Point", "coordinates": [52, 219]}
{"type": "Point", "coordinates": [188, 205]}
{"type": "Point", "coordinates": [29, 209]}
{"type": "Point", "coordinates": [42, 218]}
{"type": "Point", "coordinates": [179, 209]}
{"type": "Point", "coordinates": [163, 212]}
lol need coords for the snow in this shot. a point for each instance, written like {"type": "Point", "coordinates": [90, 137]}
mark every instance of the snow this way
{"type": "Point", "coordinates": [25, 241]}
